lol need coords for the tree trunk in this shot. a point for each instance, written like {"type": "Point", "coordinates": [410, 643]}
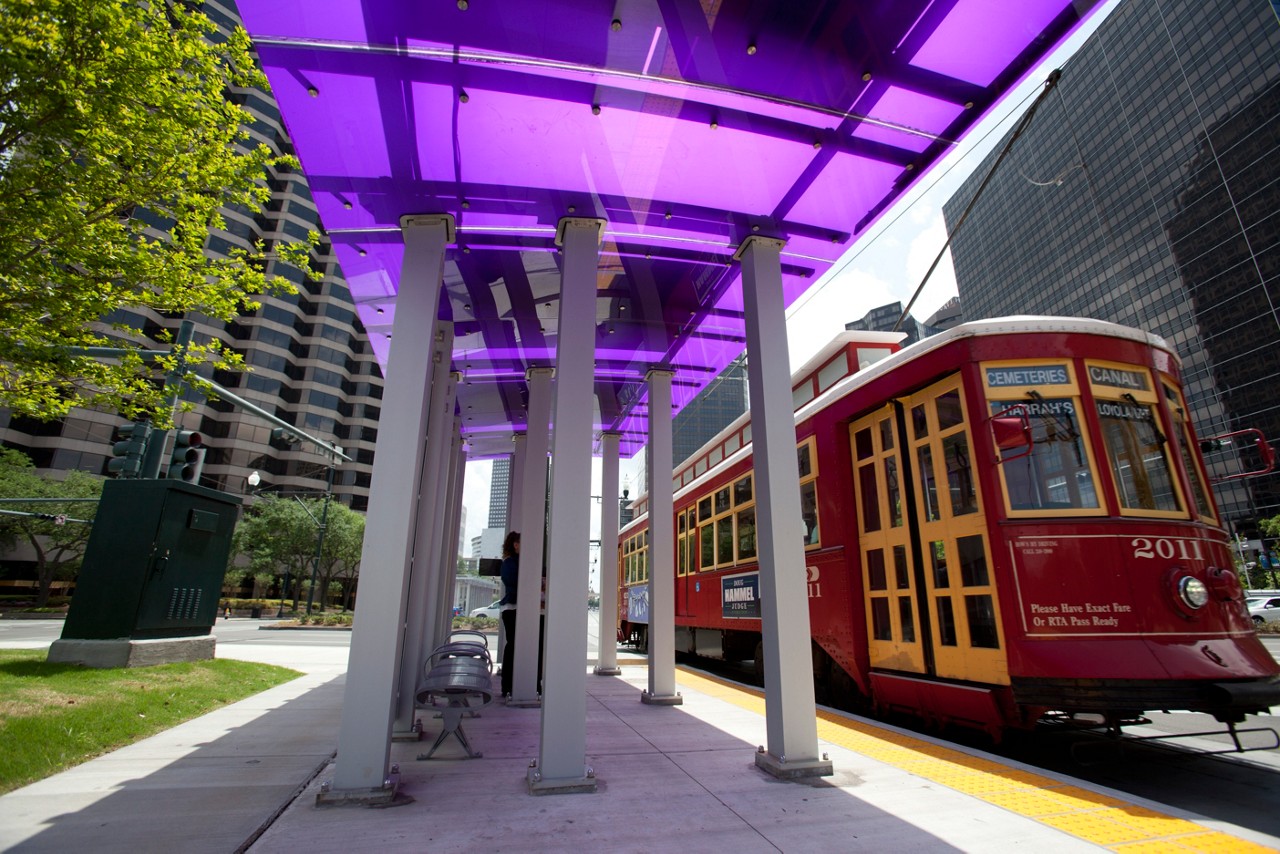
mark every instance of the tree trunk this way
{"type": "Point", "coordinates": [44, 572]}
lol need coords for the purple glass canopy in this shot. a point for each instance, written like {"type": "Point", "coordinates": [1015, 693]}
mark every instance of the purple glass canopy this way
{"type": "Point", "coordinates": [687, 126]}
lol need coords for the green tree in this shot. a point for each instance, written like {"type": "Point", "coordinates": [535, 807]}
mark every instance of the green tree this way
{"type": "Point", "coordinates": [1268, 577]}
{"type": "Point", "coordinates": [279, 535]}
{"type": "Point", "coordinates": [58, 548]}
{"type": "Point", "coordinates": [343, 546]}
{"type": "Point", "coordinates": [119, 151]}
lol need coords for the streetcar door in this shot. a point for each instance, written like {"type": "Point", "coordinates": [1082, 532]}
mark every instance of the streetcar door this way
{"type": "Point", "coordinates": [884, 546]}
{"type": "Point", "coordinates": [956, 595]}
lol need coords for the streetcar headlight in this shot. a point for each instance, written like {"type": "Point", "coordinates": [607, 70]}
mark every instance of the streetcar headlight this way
{"type": "Point", "coordinates": [1193, 591]}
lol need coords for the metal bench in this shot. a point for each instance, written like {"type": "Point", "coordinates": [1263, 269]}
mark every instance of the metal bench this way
{"type": "Point", "coordinates": [456, 685]}
{"type": "Point", "coordinates": [460, 649]}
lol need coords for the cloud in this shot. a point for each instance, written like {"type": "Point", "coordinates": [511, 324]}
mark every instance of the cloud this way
{"type": "Point", "coordinates": [846, 297]}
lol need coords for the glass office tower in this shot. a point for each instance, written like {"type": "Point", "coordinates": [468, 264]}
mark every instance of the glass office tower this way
{"type": "Point", "coordinates": [1147, 192]}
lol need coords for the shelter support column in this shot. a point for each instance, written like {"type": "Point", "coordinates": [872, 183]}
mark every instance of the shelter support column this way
{"type": "Point", "coordinates": [662, 585]}
{"type": "Point", "coordinates": [607, 640]}
{"type": "Point", "coordinates": [514, 493]}
{"type": "Point", "coordinates": [533, 519]}
{"type": "Point", "coordinates": [790, 713]}
{"type": "Point", "coordinates": [424, 569]}
{"type": "Point", "coordinates": [519, 441]}
{"type": "Point", "coordinates": [562, 750]}
{"type": "Point", "coordinates": [362, 773]}
{"type": "Point", "coordinates": [450, 519]}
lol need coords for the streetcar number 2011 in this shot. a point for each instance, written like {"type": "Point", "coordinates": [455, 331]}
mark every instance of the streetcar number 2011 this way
{"type": "Point", "coordinates": [1166, 549]}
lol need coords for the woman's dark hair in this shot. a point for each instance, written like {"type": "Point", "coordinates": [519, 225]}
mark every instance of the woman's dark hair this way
{"type": "Point", "coordinates": [509, 544]}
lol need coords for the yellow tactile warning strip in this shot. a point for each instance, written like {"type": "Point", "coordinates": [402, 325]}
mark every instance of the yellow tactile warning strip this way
{"type": "Point", "coordinates": [1086, 815]}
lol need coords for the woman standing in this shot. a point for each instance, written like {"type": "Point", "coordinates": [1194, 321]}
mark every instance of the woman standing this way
{"type": "Point", "coordinates": [510, 573]}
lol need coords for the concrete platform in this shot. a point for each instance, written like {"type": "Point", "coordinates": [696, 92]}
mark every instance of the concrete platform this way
{"type": "Point", "coordinates": [684, 778]}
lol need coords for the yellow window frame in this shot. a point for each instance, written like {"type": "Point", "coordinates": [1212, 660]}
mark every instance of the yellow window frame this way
{"type": "Point", "coordinates": [1149, 396]}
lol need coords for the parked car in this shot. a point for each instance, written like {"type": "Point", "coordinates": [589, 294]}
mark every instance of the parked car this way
{"type": "Point", "coordinates": [1264, 609]}
{"type": "Point", "coordinates": [493, 610]}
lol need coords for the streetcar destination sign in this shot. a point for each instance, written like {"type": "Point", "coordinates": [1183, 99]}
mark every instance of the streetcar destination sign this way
{"type": "Point", "coordinates": [1116, 378]}
{"type": "Point", "coordinates": [1031, 375]}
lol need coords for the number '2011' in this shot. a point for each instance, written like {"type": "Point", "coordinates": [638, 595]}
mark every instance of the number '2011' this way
{"type": "Point", "coordinates": [1166, 549]}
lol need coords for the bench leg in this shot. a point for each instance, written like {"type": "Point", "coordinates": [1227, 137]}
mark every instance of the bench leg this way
{"type": "Point", "coordinates": [452, 723]}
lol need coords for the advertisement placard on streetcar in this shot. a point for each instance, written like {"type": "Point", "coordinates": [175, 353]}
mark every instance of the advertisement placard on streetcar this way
{"type": "Point", "coordinates": [740, 596]}
{"type": "Point", "coordinates": [638, 604]}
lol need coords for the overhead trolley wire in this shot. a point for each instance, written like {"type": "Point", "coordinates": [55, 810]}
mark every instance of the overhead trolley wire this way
{"type": "Point", "coordinates": [1049, 85]}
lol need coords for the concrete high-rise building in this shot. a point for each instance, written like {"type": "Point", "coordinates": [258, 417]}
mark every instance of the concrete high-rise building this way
{"type": "Point", "coordinates": [948, 315]}
{"type": "Point", "coordinates": [500, 493]}
{"type": "Point", "coordinates": [1145, 192]}
{"type": "Point", "coordinates": [311, 362]}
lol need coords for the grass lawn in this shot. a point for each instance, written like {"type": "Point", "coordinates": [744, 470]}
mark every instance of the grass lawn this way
{"type": "Point", "coordinates": [54, 716]}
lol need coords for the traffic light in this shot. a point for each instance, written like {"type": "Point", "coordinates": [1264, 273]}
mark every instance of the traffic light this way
{"type": "Point", "coordinates": [283, 439]}
{"type": "Point", "coordinates": [188, 456]}
{"type": "Point", "coordinates": [129, 448]}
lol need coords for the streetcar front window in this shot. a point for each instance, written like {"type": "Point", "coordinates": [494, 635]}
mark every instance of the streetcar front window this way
{"type": "Point", "coordinates": [1136, 451]}
{"type": "Point", "coordinates": [1056, 473]}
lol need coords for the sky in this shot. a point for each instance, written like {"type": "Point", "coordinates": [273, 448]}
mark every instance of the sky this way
{"type": "Point", "coordinates": [885, 266]}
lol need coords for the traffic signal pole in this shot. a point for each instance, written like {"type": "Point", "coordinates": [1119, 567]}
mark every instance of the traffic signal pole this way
{"type": "Point", "coordinates": [322, 525]}
{"type": "Point", "coordinates": [154, 458]}
{"type": "Point", "coordinates": [155, 451]}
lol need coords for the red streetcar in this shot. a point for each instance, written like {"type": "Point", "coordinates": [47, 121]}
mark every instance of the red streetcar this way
{"type": "Point", "coordinates": [1005, 522]}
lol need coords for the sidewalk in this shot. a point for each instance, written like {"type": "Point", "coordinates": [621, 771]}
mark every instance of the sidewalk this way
{"type": "Point", "coordinates": [207, 785]}
{"type": "Point", "coordinates": [244, 778]}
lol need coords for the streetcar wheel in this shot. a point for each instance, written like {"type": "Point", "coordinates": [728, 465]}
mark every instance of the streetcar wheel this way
{"type": "Point", "coordinates": [757, 665]}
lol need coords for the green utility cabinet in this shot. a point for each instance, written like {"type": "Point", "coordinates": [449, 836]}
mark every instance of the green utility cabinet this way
{"type": "Point", "coordinates": [155, 561]}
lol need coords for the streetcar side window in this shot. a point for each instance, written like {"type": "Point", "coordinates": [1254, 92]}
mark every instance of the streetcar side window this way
{"type": "Point", "coordinates": [1055, 475]}
{"type": "Point", "coordinates": [747, 533]}
{"type": "Point", "coordinates": [906, 616]}
{"type": "Point", "coordinates": [1137, 449]}
{"type": "Point", "coordinates": [960, 484]}
{"type": "Point", "coordinates": [691, 542]}
{"type": "Point", "coordinates": [938, 556]}
{"type": "Point", "coordinates": [724, 540]}
{"type": "Point", "coordinates": [981, 614]}
{"type": "Point", "coordinates": [869, 499]}
{"type": "Point", "coordinates": [928, 485]}
{"type": "Point", "coordinates": [682, 544]}
{"type": "Point", "coordinates": [946, 622]}
{"type": "Point", "coordinates": [1190, 460]}
{"type": "Point", "coordinates": [805, 457]}
{"type": "Point", "coordinates": [893, 492]}
{"type": "Point", "coordinates": [722, 500]}
{"type": "Point", "coordinates": [809, 511]}
{"type": "Point", "coordinates": [876, 579]}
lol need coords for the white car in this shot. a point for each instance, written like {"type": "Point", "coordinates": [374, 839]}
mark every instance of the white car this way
{"type": "Point", "coordinates": [1263, 609]}
{"type": "Point", "coordinates": [493, 610]}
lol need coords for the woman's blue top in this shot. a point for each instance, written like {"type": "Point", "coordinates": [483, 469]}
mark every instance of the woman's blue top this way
{"type": "Point", "coordinates": [510, 573]}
